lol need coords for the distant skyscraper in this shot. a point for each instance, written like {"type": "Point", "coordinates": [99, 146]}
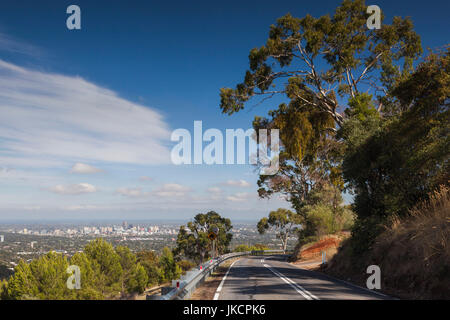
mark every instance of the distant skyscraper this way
{"type": "Point", "coordinates": [125, 225]}
{"type": "Point", "coordinates": [2, 238]}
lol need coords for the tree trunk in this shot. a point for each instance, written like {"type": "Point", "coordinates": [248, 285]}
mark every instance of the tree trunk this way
{"type": "Point", "coordinates": [285, 243]}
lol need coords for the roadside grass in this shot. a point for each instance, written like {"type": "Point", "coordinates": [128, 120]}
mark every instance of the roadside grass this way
{"type": "Point", "coordinates": [413, 253]}
{"type": "Point", "coordinates": [208, 288]}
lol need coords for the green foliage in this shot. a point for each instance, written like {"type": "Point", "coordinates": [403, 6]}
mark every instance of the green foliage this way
{"type": "Point", "coordinates": [259, 246]}
{"type": "Point", "coordinates": [137, 280]}
{"type": "Point", "coordinates": [170, 268]}
{"type": "Point", "coordinates": [134, 277]}
{"type": "Point", "coordinates": [3, 289]}
{"type": "Point", "coordinates": [242, 248]}
{"type": "Point", "coordinates": [324, 214]}
{"type": "Point", "coordinates": [89, 277]}
{"type": "Point", "coordinates": [311, 61]}
{"type": "Point", "coordinates": [246, 248]}
{"type": "Point", "coordinates": [43, 278]}
{"type": "Point", "coordinates": [324, 220]}
{"type": "Point", "coordinates": [361, 107]}
{"type": "Point", "coordinates": [392, 163]}
{"type": "Point", "coordinates": [22, 284]}
{"type": "Point", "coordinates": [107, 263]}
{"type": "Point", "coordinates": [150, 261]}
{"type": "Point", "coordinates": [186, 265]}
{"type": "Point", "coordinates": [50, 276]}
{"type": "Point", "coordinates": [193, 242]}
{"type": "Point", "coordinates": [389, 145]}
{"type": "Point", "coordinates": [348, 51]}
{"type": "Point", "coordinates": [105, 273]}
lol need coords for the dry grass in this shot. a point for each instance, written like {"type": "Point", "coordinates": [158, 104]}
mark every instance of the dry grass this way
{"type": "Point", "coordinates": [413, 253]}
{"type": "Point", "coordinates": [208, 288]}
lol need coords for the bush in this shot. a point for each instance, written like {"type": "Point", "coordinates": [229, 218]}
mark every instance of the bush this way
{"type": "Point", "coordinates": [170, 269]}
{"type": "Point", "coordinates": [245, 248]}
{"type": "Point", "coordinates": [150, 261]}
{"type": "Point", "coordinates": [105, 274]}
{"type": "Point", "coordinates": [324, 214]}
{"type": "Point", "coordinates": [186, 265]}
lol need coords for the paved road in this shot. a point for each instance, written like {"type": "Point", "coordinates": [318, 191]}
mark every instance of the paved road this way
{"type": "Point", "coordinates": [272, 278]}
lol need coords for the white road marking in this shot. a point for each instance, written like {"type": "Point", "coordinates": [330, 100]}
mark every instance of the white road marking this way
{"type": "Point", "coordinates": [305, 293]}
{"type": "Point", "coordinates": [219, 288]}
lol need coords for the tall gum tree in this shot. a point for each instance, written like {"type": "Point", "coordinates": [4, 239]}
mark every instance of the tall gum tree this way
{"type": "Point", "coordinates": [318, 65]}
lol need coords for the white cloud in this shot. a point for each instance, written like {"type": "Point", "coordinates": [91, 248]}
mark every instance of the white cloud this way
{"type": "Point", "coordinates": [166, 190]}
{"type": "Point", "coordinates": [239, 197]}
{"type": "Point", "coordinates": [7, 43]}
{"type": "Point", "coordinates": [29, 177]}
{"type": "Point", "coordinates": [74, 188]}
{"type": "Point", "coordinates": [214, 190]}
{"type": "Point", "coordinates": [84, 168]}
{"type": "Point", "coordinates": [237, 183]}
{"type": "Point", "coordinates": [55, 119]}
{"type": "Point", "coordinates": [79, 207]}
{"type": "Point", "coordinates": [172, 190]}
{"type": "Point", "coordinates": [132, 192]}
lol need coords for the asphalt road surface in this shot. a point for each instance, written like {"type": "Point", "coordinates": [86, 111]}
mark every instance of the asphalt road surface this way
{"type": "Point", "coordinates": [272, 278]}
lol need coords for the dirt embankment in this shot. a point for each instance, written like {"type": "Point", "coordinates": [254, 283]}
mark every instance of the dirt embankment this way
{"type": "Point", "coordinates": [313, 251]}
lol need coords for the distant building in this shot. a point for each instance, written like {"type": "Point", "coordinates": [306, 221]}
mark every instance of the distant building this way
{"type": "Point", "coordinates": [2, 238]}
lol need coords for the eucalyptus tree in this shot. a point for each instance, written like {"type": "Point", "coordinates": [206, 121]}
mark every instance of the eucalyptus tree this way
{"type": "Point", "coordinates": [284, 222]}
{"type": "Point", "coordinates": [193, 241]}
{"type": "Point", "coordinates": [319, 67]}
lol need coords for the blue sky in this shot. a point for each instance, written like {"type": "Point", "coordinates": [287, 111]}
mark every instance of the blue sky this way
{"type": "Point", "coordinates": [86, 115]}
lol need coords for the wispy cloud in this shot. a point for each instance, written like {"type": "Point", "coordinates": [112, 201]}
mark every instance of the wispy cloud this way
{"type": "Point", "coordinates": [52, 118]}
{"type": "Point", "coordinates": [172, 190]}
{"type": "Point", "coordinates": [74, 189]}
{"type": "Point", "coordinates": [79, 207]}
{"type": "Point", "coordinates": [239, 197]}
{"type": "Point", "coordinates": [214, 190]}
{"type": "Point", "coordinates": [84, 168]}
{"type": "Point", "coordinates": [237, 183]}
{"type": "Point", "coordinates": [10, 44]}
{"type": "Point", "coordinates": [132, 192]}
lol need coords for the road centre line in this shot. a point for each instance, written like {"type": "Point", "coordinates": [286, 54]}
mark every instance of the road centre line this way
{"type": "Point", "coordinates": [305, 293]}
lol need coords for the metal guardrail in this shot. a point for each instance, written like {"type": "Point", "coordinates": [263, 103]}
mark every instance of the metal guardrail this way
{"type": "Point", "coordinates": [185, 286]}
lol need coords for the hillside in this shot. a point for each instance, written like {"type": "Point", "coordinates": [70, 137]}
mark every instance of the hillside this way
{"type": "Point", "coordinates": [413, 253]}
